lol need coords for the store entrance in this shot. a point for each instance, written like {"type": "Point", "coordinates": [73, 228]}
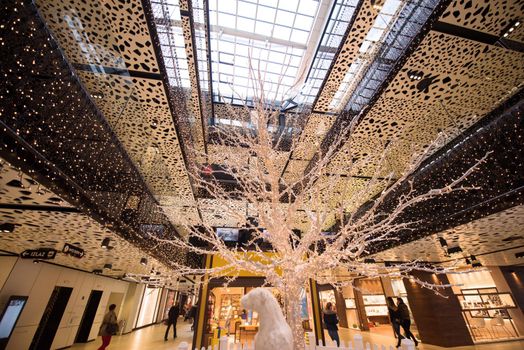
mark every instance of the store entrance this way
{"type": "Point", "coordinates": [225, 316]}
{"type": "Point", "coordinates": [376, 315]}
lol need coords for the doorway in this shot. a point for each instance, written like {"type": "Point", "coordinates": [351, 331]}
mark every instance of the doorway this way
{"type": "Point", "coordinates": [82, 336]}
{"type": "Point", "coordinates": [46, 331]}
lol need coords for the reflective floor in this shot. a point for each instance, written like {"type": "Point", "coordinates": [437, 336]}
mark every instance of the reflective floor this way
{"type": "Point", "coordinates": [384, 339]}
{"type": "Point", "coordinates": [149, 338]}
{"type": "Point", "coordinates": [153, 338]}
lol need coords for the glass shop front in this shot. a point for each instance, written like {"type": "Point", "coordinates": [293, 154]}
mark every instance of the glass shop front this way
{"type": "Point", "coordinates": [366, 308]}
{"type": "Point", "coordinates": [225, 315]}
{"type": "Point", "coordinates": [488, 311]}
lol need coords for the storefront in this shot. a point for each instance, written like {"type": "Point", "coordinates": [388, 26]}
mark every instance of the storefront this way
{"type": "Point", "coordinates": [489, 310]}
{"type": "Point", "coordinates": [149, 306]}
{"type": "Point", "coordinates": [222, 313]}
{"type": "Point", "coordinates": [365, 305]}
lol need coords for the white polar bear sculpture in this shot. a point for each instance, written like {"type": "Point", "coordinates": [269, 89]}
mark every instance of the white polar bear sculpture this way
{"type": "Point", "coordinates": [273, 332]}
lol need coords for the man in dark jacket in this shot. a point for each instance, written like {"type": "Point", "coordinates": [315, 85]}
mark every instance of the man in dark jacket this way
{"type": "Point", "coordinates": [331, 321]}
{"type": "Point", "coordinates": [172, 317]}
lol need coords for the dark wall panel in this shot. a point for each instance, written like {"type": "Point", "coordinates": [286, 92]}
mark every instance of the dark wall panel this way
{"type": "Point", "coordinates": [439, 319]}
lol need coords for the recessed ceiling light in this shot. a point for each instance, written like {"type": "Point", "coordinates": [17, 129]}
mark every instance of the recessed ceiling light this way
{"type": "Point", "coordinates": [7, 227]}
{"type": "Point", "coordinates": [105, 242]}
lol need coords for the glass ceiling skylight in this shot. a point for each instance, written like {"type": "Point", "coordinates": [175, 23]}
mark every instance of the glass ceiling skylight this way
{"type": "Point", "coordinates": [332, 37]}
{"type": "Point", "coordinates": [258, 41]}
{"type": "Point", "coordinates": [169, 27]}
{"type": "Point", "coordinates": [368, 51]}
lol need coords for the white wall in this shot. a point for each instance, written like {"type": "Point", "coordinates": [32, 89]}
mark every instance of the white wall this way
{"type": "Point", "coordinates": [6, 265]}
{"type": "Point", "coordinates": [131, 304]}
{"type": "Point", "coordinates": [37, 281]}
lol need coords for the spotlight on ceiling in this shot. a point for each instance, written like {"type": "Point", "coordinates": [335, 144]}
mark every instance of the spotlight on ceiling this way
{"type": "Point", "coordinates": [415, 75]}
{"type": "Point", "coordinates": [108, 266]}
{"type": "Point", "coordinates": [511, 28]}
{"type": "Point", "coordinates": [443, 242]}
{"type": "Point", "coordinates": [97, 271]}
{"type": "Point", "coordinates": [105, 242]}
{"type": "Point", "coordinates": [519, 255]}
{"type": "Point", "coordinates": [474, 261]}
{"type": "Point", "coordinates": [454, 250]}
{"type": "Point", "coordinates": [369, 261]}
{"type": "Point", "coordinates": [143, 261]}
{"type": "Point", "coordinates": [7, 227]}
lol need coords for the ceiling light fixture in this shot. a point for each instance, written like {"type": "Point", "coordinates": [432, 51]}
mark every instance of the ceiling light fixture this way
{"type": "Point", "coordinates": [443, 242]}
{"type": "Point", "coordinates": [474, 261]}
{"type": "Point", "coordinates": [7, 227]}
{"type": "Point", "coordinates": [454, 250]}
{"type": "Point", "coordinates": [415, 75]}
{"type": "Point", "coordinates": [105, 242]}
{"type": "Point", "coordinates": [511, 28]}
{"type": "Point", "coordinates": [97, 271]}
{"type": "Point", "coordinates": [519, 255]}
{"type": "Point", "coordinates": [143, 261]}
{"type": "Point", "coordinates": [108, 266]}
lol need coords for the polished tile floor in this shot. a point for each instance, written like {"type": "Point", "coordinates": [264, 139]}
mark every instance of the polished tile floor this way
{"type": "Point", "coordinates": [383, 339]}
{"type": "Point", "coordinates": [153, 338]}
{"type": "Point", "coordinates": [149, 338]}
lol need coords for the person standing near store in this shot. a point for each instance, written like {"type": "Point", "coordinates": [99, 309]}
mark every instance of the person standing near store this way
{"type": "Point", "coordinates": [172, 317]}
{"type": "Point", "coordinates": [405, 321]}
{"type": "Point", "coordinates": [395, 319]}
{"type": "Point", "coordinates": [331, 321]}
{"type": "Point", "coordinates": [109, 327]}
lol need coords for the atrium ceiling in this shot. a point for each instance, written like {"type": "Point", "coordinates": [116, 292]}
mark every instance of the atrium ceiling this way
{"type": "Point", "coordinates": [156, 75]}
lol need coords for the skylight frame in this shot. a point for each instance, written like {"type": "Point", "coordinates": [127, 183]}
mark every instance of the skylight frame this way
{"type": "Point", "coordinates": [259, 51]}
{"type": "Point", "coordinates": [170, 34]}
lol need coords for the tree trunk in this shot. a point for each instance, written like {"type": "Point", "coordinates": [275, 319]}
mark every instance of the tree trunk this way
{"type": "Point", "coordinates": [293, 316]}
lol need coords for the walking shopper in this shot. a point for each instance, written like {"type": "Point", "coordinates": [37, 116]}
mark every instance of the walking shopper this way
{"type": "Point", "coordinates": [172, 317]}
{"type": "Point", "coordinates": [109, 327]}
{"type": "Point", "coordinates": [331, 321]}
{"type": "Point", "coordinates": [395, 319]}
{"type": "Point", "coordinates": [405, 321]}
{"type": "Point", "coordinates": [192, 316]}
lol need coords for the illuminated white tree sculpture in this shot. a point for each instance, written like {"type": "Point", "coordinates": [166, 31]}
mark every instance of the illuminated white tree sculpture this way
{"type": "Point", "coordinates": [309, 203]}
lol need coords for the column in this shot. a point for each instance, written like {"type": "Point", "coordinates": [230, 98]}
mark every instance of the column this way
{"type": "Point", "coordinates": [439, 320]}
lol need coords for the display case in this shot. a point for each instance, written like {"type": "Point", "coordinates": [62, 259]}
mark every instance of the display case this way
{"type": "Point", "coordinates": [375, 305]}
{"type": "Point", "coordinates": [483, 302]}
{"type": "Point", "coordinates": [486, 313]}
{"type": "Point", "coordinates": [350, 303]}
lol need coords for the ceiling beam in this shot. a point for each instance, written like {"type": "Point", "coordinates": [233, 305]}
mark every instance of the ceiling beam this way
{"type": "Point", "coordinates": [31, 207]}
{"type": "Point", "coordinates": [478, 36]}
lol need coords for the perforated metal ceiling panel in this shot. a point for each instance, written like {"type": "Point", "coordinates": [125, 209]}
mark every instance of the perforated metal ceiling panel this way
{"type": "Point", "coordinates": [51, 228]}
{"type": "Point", "coordinates": [492, 233]}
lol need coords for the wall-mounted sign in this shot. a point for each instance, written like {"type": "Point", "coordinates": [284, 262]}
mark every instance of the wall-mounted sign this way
{"type": "Point", "coordinates": [72, 250]}
{"type": "Point", "coordinates": [41, 253]}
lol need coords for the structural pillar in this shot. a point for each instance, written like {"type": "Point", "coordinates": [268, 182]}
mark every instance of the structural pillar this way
{"type": "Point", "coordinates": [439, 319]}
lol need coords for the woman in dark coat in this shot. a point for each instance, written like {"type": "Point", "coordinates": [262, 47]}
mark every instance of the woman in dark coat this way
{"type": "Point", "coordinates": [405, 321]}
{"type": "Point", "coordinates": [395, 319]}
{"type": "Point", "coordinates": [109, 327]}
{"type": "Point", "coordinates": [331, 321]}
